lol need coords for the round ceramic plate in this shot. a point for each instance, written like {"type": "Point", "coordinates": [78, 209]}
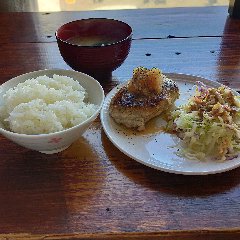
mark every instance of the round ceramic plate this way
{"type": "Point", "coordinates": [157, 149]}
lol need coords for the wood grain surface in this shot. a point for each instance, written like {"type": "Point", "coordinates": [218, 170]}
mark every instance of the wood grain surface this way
{"type": "Point", "coordinates": [92, 190]}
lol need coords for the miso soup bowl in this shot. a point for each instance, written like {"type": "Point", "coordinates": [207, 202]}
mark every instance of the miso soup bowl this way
{"type": "Point", "coordinates": [57, 141]}
{"type": "Point", "coordinates": [97, 59]}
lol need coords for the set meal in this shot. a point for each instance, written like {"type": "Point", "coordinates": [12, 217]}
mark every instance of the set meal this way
{"type": "Point", "coordinates": [207, 124]}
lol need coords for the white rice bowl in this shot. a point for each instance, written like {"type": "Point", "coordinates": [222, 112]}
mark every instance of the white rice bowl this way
{"type": "Point", "coordinates": [49, 113]}
{"type": "Point", "coordinates": [45, 105]}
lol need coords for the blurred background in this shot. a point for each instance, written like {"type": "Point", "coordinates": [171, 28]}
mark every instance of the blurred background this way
{"type": "Point", "coordinates": [85, 5]}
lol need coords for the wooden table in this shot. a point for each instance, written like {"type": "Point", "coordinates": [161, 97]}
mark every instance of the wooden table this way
{"type": "Point", "coordinates": [92, 190]}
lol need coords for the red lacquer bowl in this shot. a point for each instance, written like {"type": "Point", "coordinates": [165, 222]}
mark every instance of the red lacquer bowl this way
{"type": "Point", "coordinates": [95, 46]}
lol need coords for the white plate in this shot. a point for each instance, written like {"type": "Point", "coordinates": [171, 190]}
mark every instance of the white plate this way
{"type": "Point", "coordinates": [158, 150]}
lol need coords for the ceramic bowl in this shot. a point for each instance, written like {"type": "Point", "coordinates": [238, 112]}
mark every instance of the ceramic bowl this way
{"type": "Point", "coordinates": [58, 141]}
{"type": "Point", "coordinates": [95, 46]}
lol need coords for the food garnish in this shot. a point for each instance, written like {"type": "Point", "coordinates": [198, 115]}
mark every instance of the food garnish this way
{"type": "Point", "coordinates": [209, 124]}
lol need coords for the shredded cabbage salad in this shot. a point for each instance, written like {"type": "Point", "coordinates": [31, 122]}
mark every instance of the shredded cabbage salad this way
{"type": "Point", "coordinates": [209, 124]}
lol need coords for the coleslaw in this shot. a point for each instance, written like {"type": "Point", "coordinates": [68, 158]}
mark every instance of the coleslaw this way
{"type": "Point", "coordinates": [209, 124]}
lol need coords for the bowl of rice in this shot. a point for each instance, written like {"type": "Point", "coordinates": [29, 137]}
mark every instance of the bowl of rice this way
{"type": "Point", "coordinates": [47, 110]}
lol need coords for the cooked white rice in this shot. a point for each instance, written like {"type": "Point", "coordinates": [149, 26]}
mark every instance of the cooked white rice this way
{"type": "Point", "coordinates": [45, 105]}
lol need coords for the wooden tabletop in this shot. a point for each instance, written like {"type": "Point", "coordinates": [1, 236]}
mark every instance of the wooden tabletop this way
{"type": "Point", "coordinates": [92, 190]}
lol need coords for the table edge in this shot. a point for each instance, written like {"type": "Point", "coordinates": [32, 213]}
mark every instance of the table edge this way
{"type": "Point", "coordinates": [231, 233]}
